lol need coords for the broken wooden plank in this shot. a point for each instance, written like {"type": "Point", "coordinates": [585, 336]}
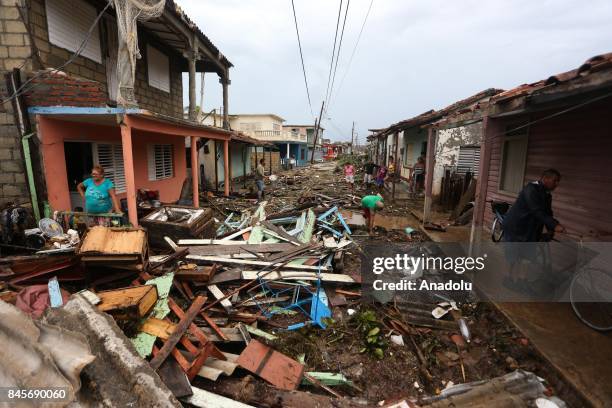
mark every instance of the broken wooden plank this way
{"type": "Point", "coordinates": [178, 332]}
{"type": "Point", "coordinates": [280, 232]}
{"type": "Point", "coordinates": [198, 274]}
{"type": "Point", "coordinates": [216, 292]}
{"type": "Point", "coordinates": [239, 249]}
{"type": "Point", "coordinates": [127, 303]}
{"type": "Point", "coordinates": [250, 262]}
{"type": "Point", "coordinates": [274, 367]}
{"type": "Point", "coordinates": [207, 241]}
{"type": "Point", "coordinates": [206, 399]}
{"type": "Point", "coordinates": [297, 275]}
{"type": "Point", "coordinates": [236, 234]}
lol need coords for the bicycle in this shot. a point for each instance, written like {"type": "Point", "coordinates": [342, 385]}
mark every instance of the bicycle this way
{"type": "Point", "coordinates": [591, 295]}
{"type": "Point", "coordinates": [499, 208]}
{"type": "Point", "coordinates": [590, 288]}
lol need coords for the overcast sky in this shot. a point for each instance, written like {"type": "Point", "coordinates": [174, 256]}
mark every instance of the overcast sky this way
{"type": "Point", "coordinates": [414, 55]}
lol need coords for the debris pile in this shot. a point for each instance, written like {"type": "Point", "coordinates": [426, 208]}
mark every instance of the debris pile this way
{"type": "Point", "coordinates": [252, 302]}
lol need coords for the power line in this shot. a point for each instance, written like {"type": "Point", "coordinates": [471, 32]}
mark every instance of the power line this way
{"type": "Point", "coordinates": [70, 60]}
{"type": "Point", "coordinates": [354, 48]}
{"type": "Point", "coordinates": [331, 90]}
{"type": "Point", "coordinates": [331, 65]}
{"type": "Point", "coordinates": [301, 57]}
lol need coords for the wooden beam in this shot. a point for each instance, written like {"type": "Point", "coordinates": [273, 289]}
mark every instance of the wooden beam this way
{"type": "Point", "coordinates": [180, 329]}
{"type": "Point", "coordinates": [219, 259]}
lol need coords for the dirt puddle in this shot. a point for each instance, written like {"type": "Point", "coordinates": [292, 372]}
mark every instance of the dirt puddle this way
{"type": "Point", "coordinates": [388, 222]}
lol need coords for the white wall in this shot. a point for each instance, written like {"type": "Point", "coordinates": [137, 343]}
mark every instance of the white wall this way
{"type": "Point", "coordinates": [448, 142]}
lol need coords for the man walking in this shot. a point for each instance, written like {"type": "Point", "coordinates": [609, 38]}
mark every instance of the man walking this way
{"type": "Point", "coordinates": [368, 169]}
{"type": "Point", "coordinates": [260, 174]}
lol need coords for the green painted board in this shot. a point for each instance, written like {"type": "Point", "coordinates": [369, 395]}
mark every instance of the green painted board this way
{"type": "Point", "coordinates": [143, 342]}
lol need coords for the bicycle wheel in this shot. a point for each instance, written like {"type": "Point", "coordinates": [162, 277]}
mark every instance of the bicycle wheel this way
{"type": "Point", "coordinates": [591, 298]}
{"type": "Point", "coordinates": [497, 232]}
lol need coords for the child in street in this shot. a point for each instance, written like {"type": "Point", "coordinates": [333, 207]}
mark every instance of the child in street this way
{"type": "Point", "coordinates": [349, 175]}
{"type": "Point", "coordinates": [380, 178]}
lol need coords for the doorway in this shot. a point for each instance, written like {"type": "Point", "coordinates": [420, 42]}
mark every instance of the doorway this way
{"type": "Point", "coordinates": [79, 161]}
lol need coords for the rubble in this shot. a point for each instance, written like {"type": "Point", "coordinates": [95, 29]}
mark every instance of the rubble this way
{"type": "Point", "coordinates": [256, 302]}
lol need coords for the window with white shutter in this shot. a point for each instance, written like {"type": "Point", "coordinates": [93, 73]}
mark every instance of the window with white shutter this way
{"type": "Point", "coordinates": [469, 159]}
{"type": "Point", "coordinates": [158, 69]}
{"type": "Point", "coordinates": [160, 161]}
{"type": "Point", "coordinates": [110, 157]}
{"type": "Point", "coordinates": [69, 22]}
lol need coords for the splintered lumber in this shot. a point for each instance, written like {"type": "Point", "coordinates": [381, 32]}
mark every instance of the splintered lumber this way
{"type": "Point", "coordinates": [216, 292]}
{"type": "Point", "coordinates": [222, 260]}
{"type": "Point", "coordinates": [239, 249]}
{"type": "Point", "coordinates": [189, 242]}
{"type": "Point", "coordinates": [293, 252]}
{"type": "Point", "coordinates": [178, 332]}
{"type": "Point", "coordinates": [280, 232]}
{"type": "Point", "coordinates": [158, 328]}
{"type": "Point", "coordinates": [198, 274]}
{"type": "Point", "coordinates": [206, 399]}
{"type": "Point", "coordinates": [296, 275]}
{"type": "Point", "coordinates": [276, 368]}
{"type": "Point", "coordinates": [127, 303]}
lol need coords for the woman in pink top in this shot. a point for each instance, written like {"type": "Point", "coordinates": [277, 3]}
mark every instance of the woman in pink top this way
{"type": "Point", "coordinates": [349, 175]}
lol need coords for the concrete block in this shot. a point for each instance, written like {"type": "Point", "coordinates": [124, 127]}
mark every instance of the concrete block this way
{"type": "Point", "coordinates": [6, 154]}
{"type": "Point", "coordinates": [3, 51]}
{"type": "Point", "coordinates": [14, 27]}
{"type": "Point", "coordinates": [9, 13]}
{"type": "Point", "coordinates": [20, 52]}
{"type": "Point", "coordinates": [12, 190]}
{"type": "Point", "coordinates": [20, 178]}
{"type": "Point", "coordinates": [118, 376]}
{"type": "Point", "coordinates": [11, 165]}
{"type": "Point", "coordinates": [7, 178]}
{"type": "Point", "coordinates": [10, 40]}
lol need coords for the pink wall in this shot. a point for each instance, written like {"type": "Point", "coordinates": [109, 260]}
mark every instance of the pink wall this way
{"type": "Point", "coordinates": [53, 133]}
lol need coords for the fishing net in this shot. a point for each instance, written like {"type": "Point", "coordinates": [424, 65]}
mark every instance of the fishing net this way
{"type": "Point", "coordinates": [128, 13]}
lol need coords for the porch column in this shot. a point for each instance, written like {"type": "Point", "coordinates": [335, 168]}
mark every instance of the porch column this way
{"type": "Point", "coordinates": [128, 163]}
{"type": "Point", "coordinates": [287, 156]}
{"type": "Point", "coordinates": [225, 82]}
{"type": "Point", "coordinates": [192, 85]}
{"type": "Point", "coordinates": [429, 170]}
{"type": "Point", "coordinates": [395, 163]}
{"type": "Point", "coordinates": [489, 129]}
{"type": "Point", "coordinates": [194, 171]}
{"type": "Point", "coordinates": [226, 173]}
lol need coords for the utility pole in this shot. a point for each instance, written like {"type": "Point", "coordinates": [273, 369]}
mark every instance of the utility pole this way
{"type": "Point", "coordinates": [352, 136]}
{"type": "Point", "coordinates": [317, 126]}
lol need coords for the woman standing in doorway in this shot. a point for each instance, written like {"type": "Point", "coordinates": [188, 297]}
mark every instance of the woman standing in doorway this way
{"type": "Point", "coordinates": [99, 193]}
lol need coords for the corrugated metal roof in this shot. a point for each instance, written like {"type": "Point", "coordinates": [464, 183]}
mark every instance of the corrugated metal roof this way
{"type": "Point", "coordinates": [592, 65]}
{"type": "Point", "coordinates": [241, 137]}
{"type": "Point", "coordinates": [468, 103]}
{"type": "Point", "coordinates": [179, 13]}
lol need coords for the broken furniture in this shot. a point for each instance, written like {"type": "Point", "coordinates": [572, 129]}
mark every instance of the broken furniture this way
{"type": "Point", "coordinates": [128, 303]}
{"type": "Point", "coordinates": [121, 248]}
{"type": "Point", "coordinates": [178, 222]}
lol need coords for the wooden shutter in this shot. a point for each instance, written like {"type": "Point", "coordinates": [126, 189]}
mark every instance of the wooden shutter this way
{"type": "Point", "coordinates": [110, 157]}
{"type": "Point", "coordinates": [68, 22]}
{"type": "Point", "coordinates": [160, 161]}
{"type": "Point", "coordinates": [158, 69]}
{"type": "Point", "coordinates": [469, 158]}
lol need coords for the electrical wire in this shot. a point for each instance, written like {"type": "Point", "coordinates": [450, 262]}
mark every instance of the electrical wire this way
{"type": "Point", "coordinates": [354, 50]}
{"type": "Point", "coordinates": [22, 89]}
{"type": "Point", "coordinates": [331, 89]}
{"type": "Point", "coordinates": [331, 65]}
{"type": "Point", "coordinates": [297, 31]}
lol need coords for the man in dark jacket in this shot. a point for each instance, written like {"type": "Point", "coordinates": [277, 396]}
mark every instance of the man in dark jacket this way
{"type": "Point", "coordinates": [524, 223]}
{"type": "Point", "coordinates": [532, 210]}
